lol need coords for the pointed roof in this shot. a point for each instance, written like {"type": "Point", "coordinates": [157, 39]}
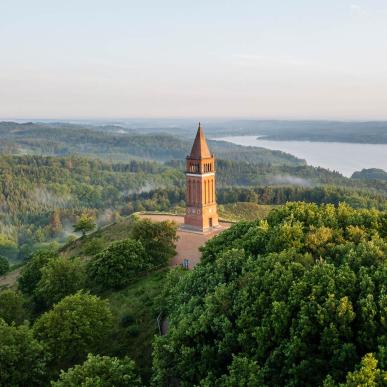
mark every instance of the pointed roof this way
{"type": "Point", "coordinates": [200, 148]}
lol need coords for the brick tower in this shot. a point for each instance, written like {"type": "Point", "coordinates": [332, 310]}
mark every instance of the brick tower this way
{"type": "Point", "coordinates": [201, 213]}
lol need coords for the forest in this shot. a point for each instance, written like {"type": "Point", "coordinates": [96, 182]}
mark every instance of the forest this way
{"type": "Point", "coordinates": [119, 145]}
{"type": "Point", "coordinates": [293, 294]}
{"type": "Point", "coordinates": [42, 196]}
{"type": "Point", "coordinates": [296, 298]}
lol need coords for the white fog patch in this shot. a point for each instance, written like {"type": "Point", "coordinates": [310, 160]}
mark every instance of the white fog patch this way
{"type": "Point", "coordinates": [49, 199]}
{"type": "Point", "coordinates": [147, 187]}
{"type": "Point", "coordinates": [289, 180]}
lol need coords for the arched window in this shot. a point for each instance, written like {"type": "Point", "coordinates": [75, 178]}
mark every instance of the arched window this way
{"type": "Point", "coordinates": [210, 191]}
{"type": "Point", "coordinates": [190, 192]}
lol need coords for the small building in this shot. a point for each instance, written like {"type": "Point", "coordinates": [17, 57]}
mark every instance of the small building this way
{"type": "Point", "coordinates": [201, 212]}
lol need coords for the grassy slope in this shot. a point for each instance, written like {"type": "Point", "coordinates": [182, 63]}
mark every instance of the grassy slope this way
{"type": "Point", "coordinates": [136, 309]}
{"type": "Point", "coordinates": [243, 211]}
{"type": "Point", "coordinates": [91, 244]}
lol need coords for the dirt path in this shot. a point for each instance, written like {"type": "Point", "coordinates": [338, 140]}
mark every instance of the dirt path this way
{"type": "Point", "coordinates": [9, 279]}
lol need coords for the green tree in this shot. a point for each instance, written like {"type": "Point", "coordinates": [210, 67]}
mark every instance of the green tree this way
{"type": "Point", "coordinates": [243, 372]}
{"type": "Point", "coordinates": [61, 277]}
{"type": "Point", "coordinates": [101, 371]}
{"type": "Point", "coordinates": [31, 272]}
{"type": "Point", "coordinates": [368, 374]}
{"type": "Point", "coordinates": [8, 247]}
{"type": "Point", "coordinates": [22, 357]}
{"type": "Point", "coordinates": [77, 325]}
{"type": "Point", "coordinates": [284, 301]}
{"type": "Point", "coordinates": [12, 307]}
{"type": "Point", "coordinates": [4, 265]}
{"type": "Point", "coordinates": [116, 266]}
{"type": "Point", "coordinates": [85, 224]}
{"type": "Point", "coordinates": [158, 238]}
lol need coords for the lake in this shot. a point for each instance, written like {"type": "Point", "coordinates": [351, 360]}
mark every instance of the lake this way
{"type": "Point", "coordinates": [343, 157]}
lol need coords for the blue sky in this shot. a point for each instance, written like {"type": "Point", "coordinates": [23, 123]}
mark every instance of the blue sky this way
{"type": "Point", "coordinates": [263, 59]}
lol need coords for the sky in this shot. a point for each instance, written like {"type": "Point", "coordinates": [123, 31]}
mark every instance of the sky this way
{"type": "Point", "coordinates": [277, 59]}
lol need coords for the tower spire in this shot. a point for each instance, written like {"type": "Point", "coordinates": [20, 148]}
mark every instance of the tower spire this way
{"type": "Point", "coordinates": [200, 148]}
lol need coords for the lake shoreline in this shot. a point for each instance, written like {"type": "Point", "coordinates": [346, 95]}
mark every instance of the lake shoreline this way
{"type": "Point", "coordinates": [343, 157]}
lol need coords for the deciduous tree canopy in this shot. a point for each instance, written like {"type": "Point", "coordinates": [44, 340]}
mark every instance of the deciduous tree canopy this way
{"type": "Point", "coordinates": [293, 300]}
{"type": "Point", "coordinates": [101, 371]}
{"type": "Point", "coordinates": [12, 307]}
{"type": "Point", "coordinates": [116, 266]}
{"type": "Point", "coordinates": [77, 325]}
{"type": "Point", "coordinates": [22, 357]}
{"type": "Point", "coordinates": [61, 277]}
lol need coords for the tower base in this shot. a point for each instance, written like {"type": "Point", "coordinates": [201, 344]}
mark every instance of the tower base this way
{"type": "Point", "coordinates": [202, 219]}
{"type": "Point", "coordinates": [198, 230]}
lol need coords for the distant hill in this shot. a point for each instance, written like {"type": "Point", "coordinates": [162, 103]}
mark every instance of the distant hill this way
{"type": "Point", "coordinates": [373, 132]}
{"type": "Point", "coordinates": [96, 142]}
{"type": "Point", "coordinates": [331, 131]}
{"type": "Point", "coordinates": [370, 174]}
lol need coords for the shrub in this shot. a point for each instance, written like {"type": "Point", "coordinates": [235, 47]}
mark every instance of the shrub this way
{"type": "Point", "coordinates": [116, 266]}
{"type": "Point", "coordinates": [12, 307]}
{"type": "Point", "coordinates": [31, 272]}
{"type": "Point", "coordinates": [22, 357]}
{"type": "Point", "coordinates": [77, 325]}
{"type": "Point", "coordinates": [158, 239]}
{"type": "Point", "coordinates": [60, 277]}
{"type": "Point", "coordinates": [102, 371]}
{"type": "Point", "coordinates": [94, 246]}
